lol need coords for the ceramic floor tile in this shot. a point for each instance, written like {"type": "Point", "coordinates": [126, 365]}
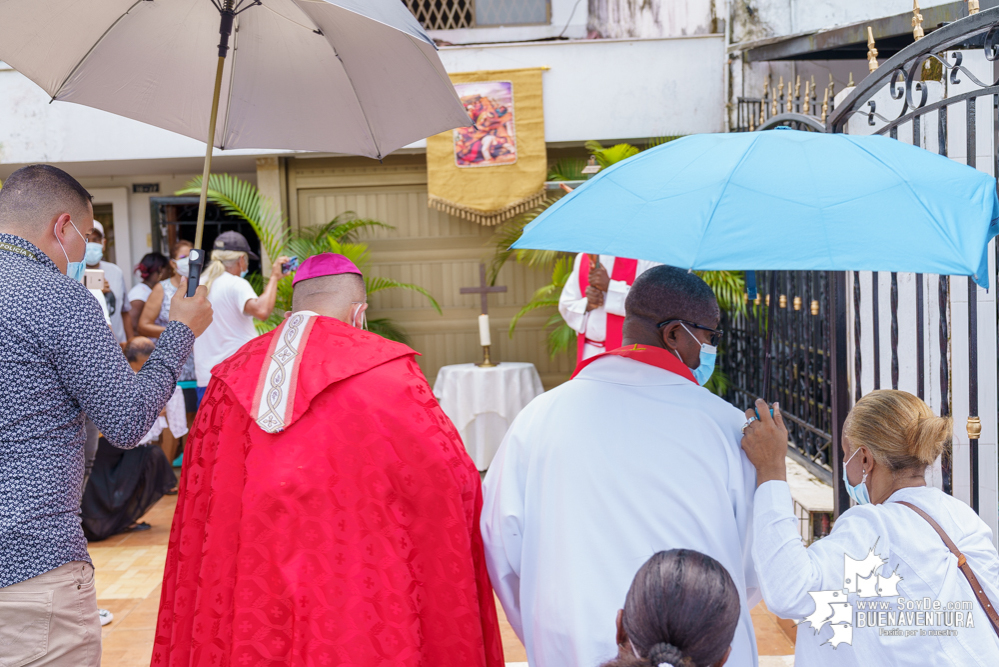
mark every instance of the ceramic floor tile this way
{"type": "Point", "coordinates": [513, 650]}
{"type": "Point", "coordinates": [770, 637]}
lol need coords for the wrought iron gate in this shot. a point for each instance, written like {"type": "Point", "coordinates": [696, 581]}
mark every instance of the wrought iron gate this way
{"type": "Point", "coordinates": [802, 375]}
{"type": "Point", "coordinates": [929, 96]}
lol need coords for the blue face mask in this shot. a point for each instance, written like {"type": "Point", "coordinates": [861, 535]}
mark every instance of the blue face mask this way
{"type": "Point", "coordinates": [709, 353]}
{"type": "Point", "coordinates": [74, 270]}
{"type": "Point", "coordinates": [242, 274]}
{"type": "Point", "coordinates": [858, 493]}
{"type": "Point", "coordinates": [95, 253]}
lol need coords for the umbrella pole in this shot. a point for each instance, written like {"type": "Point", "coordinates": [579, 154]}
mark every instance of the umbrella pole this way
{"type": "Point", "coordinates": [771, 315]}
{"type": "Point", "coordinates": [197, 256]}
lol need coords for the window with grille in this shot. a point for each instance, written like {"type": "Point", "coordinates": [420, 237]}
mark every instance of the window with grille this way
{"type": "Point", "coordinates": [454, 14]}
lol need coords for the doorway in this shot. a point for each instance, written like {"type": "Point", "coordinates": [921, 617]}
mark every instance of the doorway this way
{"type": "Point", "coordinates": [176, 218]}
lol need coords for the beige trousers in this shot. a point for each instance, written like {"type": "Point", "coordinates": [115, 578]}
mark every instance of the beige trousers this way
{"type": "Point", "coordinates": [51, 620]}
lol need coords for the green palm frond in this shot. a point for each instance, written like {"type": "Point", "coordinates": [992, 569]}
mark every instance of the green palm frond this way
{"type": "Point", "coordinates": [376, 284]}
{"type": "Point", "coordinates": [660, 140]}
{"type": "Point", "coordinates": [243, 200]}
{"type": "Point", "coordinates": [345, 226]}
{"type": "Point", "coordinates": [567, 169]}
{"type": "Point", "coordinates": [510, 232]}
{"type": "Point", "coordinates": [729, 288]}
{"type": "Point", "coordinates": [387, 328]}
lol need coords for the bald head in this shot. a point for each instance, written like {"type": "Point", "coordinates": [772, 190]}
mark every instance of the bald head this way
{"type": "Point", "coordinates": [331, 296]}
{"type": "Point", "coordinates": [34, 196]}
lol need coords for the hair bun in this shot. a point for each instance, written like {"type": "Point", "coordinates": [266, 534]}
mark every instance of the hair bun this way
{"type": "Point", "coordinates": [662, 654]}
{"type": "Point", "coordinates": [927, 436]}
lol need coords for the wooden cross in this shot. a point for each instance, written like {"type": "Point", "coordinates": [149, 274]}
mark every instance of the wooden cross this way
{"type": "Point", "coordinates": [484, 289]}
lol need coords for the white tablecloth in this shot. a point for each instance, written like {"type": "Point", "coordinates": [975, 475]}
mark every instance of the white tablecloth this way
{"type": "Point", "coordinates": [482, 402]}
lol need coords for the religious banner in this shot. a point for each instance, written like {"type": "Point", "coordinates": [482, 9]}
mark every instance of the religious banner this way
{"type": "Point", "coordinates": [496, 167]}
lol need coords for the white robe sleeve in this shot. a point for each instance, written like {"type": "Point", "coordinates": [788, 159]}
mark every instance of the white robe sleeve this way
{"type": "Point", "coordinates": [787, 569]}
{"type": "Point", "coordinates": [743, 485]}
{"type": "Point", "coordinates": [572, 302]}
{"type": "Point", "coordinates": [503, 518]}
{"type": "Point", "coordinates": [617, 291]}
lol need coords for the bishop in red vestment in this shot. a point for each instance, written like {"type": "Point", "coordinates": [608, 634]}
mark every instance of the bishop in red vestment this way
{"type": "Point", "coordinates": [328, 514]}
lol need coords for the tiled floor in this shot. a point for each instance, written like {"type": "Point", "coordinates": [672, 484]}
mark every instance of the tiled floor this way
{"type": "Point", "coordinates": [130, 570]}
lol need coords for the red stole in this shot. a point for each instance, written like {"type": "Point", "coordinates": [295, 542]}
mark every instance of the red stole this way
{"type": "Point", "coordinates": [624, 270]}
{"type": "Point", "coordinates": [647, 354]}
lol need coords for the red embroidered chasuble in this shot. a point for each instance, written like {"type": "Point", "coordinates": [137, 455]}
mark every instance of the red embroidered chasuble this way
{"type": "Point", "coordinates": [328, 517]}
{"type": "Point", "coordinates": [624, 270]}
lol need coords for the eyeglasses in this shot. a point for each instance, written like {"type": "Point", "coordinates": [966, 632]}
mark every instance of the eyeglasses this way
{"type": "Point", "coordinates": [716, 334]}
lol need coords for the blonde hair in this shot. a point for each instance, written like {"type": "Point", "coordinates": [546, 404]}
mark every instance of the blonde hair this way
{"type": "Point", "coordinates": [899, 429]}
{"type": "Point", "coordinates": [221, 260]}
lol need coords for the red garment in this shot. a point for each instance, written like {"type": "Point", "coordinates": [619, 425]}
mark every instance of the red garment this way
{"type": "Point", "coordinates": [624, 270]}
{"type": "Point", "coordinates": [350, 538]}
{"type": "Point", "coordinates": [647, 354]}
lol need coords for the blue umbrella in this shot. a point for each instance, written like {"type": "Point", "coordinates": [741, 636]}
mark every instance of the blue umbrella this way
{"type": "Point", "coordinates": [782, 200]}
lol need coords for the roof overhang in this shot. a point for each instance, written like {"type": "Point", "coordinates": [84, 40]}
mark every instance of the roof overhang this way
{"type": "Point", "coordinates": [849, 42]}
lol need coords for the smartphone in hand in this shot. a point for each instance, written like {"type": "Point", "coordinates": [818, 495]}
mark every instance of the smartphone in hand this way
{"type": "Point", "coordinates": [94, 279]}
{"type": "Point", "coordinates": [290, 265]}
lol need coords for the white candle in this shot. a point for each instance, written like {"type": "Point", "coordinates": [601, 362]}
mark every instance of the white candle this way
{"type": "Point", "coordinates": [484, 330]}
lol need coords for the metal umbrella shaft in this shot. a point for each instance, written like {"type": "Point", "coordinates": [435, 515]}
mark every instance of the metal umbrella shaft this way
{"type": "Point", "coordinates": [197, 256]}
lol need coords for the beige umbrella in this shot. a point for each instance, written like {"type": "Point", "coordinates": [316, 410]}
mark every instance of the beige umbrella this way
{"type": "Point", "coordinates": [348, 76]}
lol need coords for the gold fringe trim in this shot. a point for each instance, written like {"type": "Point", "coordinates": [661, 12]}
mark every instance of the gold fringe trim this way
{"type": "Point", "coordinates": [487, 218]}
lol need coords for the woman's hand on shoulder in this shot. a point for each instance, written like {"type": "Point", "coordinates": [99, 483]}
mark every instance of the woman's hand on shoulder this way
{"type": "Point", "coordinates": [764, 440]}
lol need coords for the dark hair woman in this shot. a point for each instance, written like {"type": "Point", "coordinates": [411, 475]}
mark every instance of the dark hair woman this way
{"type": "Point", "coordinates": [153, 268]}
{"type": "Point", "coordinates": [681, 610]}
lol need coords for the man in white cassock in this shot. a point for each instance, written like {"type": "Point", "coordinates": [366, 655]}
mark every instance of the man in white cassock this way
{"type": "Point", "coordinates": [628, 458]}
{"type": "Point", "coordinates": [592, 300]}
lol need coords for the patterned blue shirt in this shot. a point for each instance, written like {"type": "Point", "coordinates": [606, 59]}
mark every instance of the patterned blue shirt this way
{"type": "Point", "coordinates": [59, 361]}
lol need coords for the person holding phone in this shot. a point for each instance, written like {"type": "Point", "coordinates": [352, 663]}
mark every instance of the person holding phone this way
{"type": "Point", "coordinates": [61, 364]}
{"type": "Point", "coordinates": [235, 302]}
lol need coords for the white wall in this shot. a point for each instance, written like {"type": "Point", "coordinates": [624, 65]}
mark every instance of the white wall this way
{"type": "Point", "coordinates": [759, 19]}
{"type": "Point", "coordinates": [658, 18]}
{"type": "Point", "coordinates": [616, 89]}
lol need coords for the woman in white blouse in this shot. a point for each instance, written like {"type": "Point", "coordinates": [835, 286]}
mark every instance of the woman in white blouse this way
{"type": "Point", "coordinates": [882, 588]}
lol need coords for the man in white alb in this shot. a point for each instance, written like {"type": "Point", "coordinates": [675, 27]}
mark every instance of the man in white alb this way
{"type": "Point", "coordinates": [234, 302]}
{"type": "Point", "coordinates": [592, 301]}
{"type": "Point", "coordinates": [628, 458]}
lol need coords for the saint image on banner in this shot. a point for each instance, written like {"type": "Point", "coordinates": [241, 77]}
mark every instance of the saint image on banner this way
{"type": "Point", "coordinates": [491, 140]}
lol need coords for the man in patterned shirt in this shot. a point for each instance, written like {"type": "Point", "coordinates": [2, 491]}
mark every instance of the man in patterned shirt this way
{"type": "Point", "coordinates": [61, 363]}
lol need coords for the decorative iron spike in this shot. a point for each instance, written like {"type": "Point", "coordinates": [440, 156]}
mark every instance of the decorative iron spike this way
{"type": "Point", "coordinates": [773, 101]}
{"type": "Point", "coordinates": [763, 100]}
{"type": "Point", "coordinates": [850, 83]}
{"type": "Point", "coordinates": [815, 307]}
{"type": "Point", "coordinates": [797, 303]}
{"type": "Point", "coordinates": [972, 7]}
{"type": "Point", "coordinates": [825, 106]}
{"type": "Point", "coordinates": [782, 301]}
{"type": "Point", "coordinates": [768, 300]}
{"type": "Point", "coordinates": [832, 86]}
{"type": "Point", "coordinates": [757, 301]}
{"type": "Point", "coordinates": [806, 102]}
{"type": "Point", "coordinates": [917, 21]}
{"type": "Point", "coordinates": [872, 53]}
{"type": "Point", "coordinates": [797, 93]}
{"type": "Point", "coordinates": [752, 126]}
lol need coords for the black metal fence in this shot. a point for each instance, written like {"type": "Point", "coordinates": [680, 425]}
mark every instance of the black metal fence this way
{"type": "Point", "coordinates": [802, 377]}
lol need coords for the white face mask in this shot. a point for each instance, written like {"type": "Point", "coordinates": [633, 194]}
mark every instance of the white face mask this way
{"type": "Point", "coordinates": [183, 266]}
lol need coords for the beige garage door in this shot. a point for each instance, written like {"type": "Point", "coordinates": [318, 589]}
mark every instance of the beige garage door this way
{"type": "Point", "coordinates": [441, 253]}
